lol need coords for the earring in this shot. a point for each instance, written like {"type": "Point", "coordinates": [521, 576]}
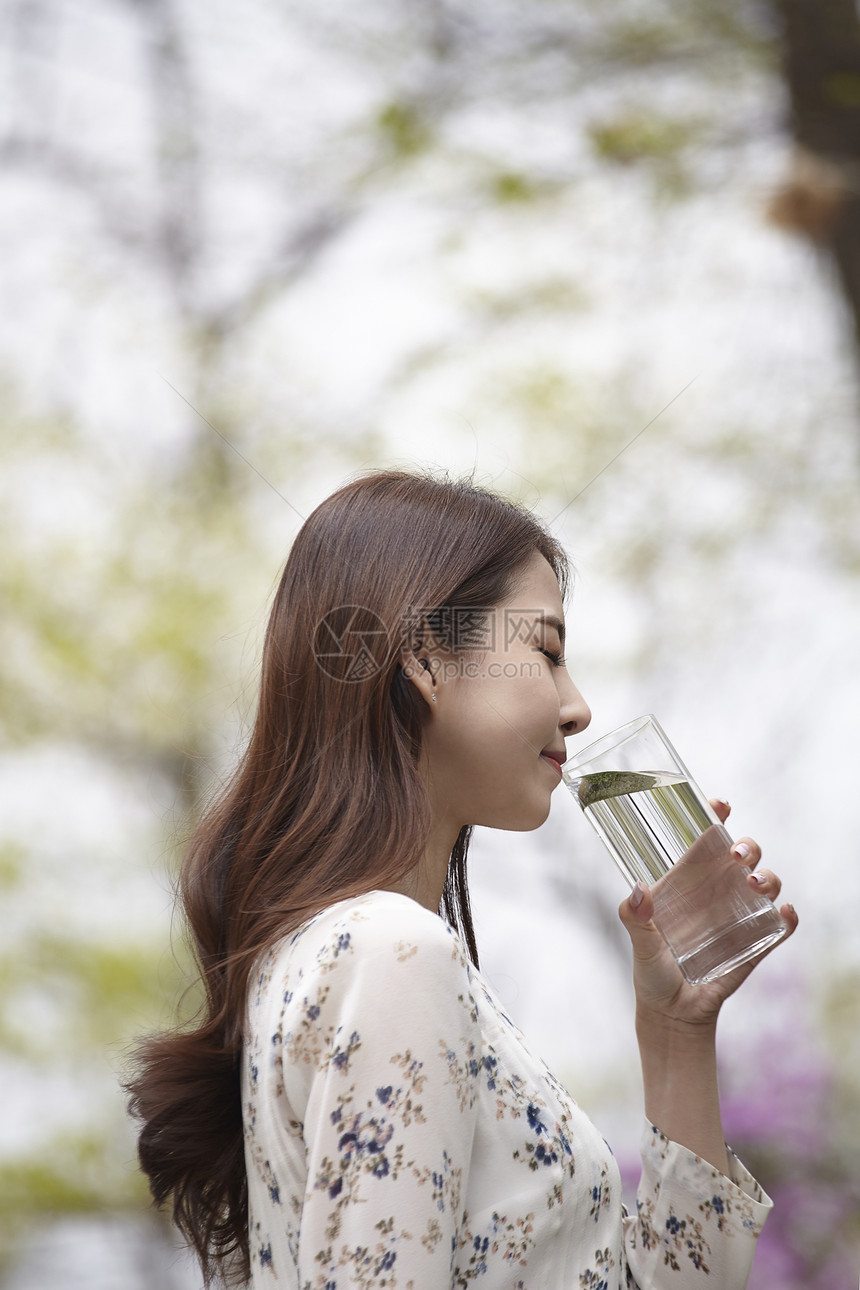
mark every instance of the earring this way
{"type": "Point", "coordinates": [433, 697]}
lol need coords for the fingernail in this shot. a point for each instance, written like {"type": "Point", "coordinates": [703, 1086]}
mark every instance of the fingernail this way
{"type": "Point", "coordinates": [741, 850]}
{"type": "Point", "coordinates": [721, 801]}
{"type": "Point", "coordinates": [757, 878]}
{"type": "Point", "coordinates": [636, 895]}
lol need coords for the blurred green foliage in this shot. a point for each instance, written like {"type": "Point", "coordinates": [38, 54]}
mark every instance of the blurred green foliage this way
{"type": "Point", "coordinates": [122, 634]}
{"type": "Point", "coordinates": [637, 134]}
{"type": "Point", "coordinates": [405, 129]}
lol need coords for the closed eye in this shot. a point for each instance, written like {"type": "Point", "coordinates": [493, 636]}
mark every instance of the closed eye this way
{"type": "Point", "coordinates": [557, 660]}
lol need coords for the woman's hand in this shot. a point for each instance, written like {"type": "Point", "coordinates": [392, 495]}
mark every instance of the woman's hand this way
{"type": "Point", "coordinates": [663, 995]}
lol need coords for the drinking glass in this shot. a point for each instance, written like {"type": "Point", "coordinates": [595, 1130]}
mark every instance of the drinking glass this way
{"type": "Point", "coordinates": [660, 830]}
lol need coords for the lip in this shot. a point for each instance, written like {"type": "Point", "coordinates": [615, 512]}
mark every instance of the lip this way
{"type": "Point", "coordinates": [555, 759]}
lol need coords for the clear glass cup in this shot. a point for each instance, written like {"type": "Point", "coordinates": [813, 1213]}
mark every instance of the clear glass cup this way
{"type": "Point", "coordinates": [660, 830]}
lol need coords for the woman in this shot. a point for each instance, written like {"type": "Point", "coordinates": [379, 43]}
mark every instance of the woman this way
{"type": "Point", "coordinates": [354, 1107]}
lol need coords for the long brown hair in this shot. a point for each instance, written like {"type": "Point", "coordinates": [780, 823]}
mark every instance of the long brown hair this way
{"type": "Point", "coordinates": [327, 801]}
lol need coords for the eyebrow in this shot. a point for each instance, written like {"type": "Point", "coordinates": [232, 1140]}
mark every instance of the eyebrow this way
{"type": "Point", "coordinates": [552, 621]}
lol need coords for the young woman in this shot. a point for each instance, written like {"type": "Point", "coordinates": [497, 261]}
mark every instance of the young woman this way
{"type": "Point", "coordinates": [354, 1108]}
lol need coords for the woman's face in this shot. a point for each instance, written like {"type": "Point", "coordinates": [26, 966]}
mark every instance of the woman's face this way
{"type": "Point", "coordinates": [499, 712]}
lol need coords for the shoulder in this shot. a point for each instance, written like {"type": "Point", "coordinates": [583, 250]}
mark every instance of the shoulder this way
{"type": "Point", "coordinates": [364, 974]}
{"type": "Point", "coordinates": [378, 934]}
{"type": "Point", "coordinates": [376, 920]}
{"type": "Point", "coordinates": [382, 918]}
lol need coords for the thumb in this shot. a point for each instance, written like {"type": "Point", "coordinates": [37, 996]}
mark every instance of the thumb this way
{"type": "Point", "coordinates": [636, 913]}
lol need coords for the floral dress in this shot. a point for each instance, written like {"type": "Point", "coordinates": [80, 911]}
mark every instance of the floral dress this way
{"type": "Point", "coordinates": [399, 1133]}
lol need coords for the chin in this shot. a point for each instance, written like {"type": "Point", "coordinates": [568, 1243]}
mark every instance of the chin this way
{"type": "Point", "coordinates": [526, 820]}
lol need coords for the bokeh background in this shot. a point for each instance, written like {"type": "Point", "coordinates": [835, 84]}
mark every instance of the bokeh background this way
{"type": "Point", "coordinates": [606, 255]}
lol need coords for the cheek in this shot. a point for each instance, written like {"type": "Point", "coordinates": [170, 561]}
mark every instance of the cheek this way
{"type": "Point", "coordinates": [526, 715]}
{"type": "Point", "coordinates": [508, 718]}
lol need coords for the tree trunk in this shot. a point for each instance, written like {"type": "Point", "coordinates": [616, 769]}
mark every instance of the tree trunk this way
{"type": "Point", "coordinates": [821, 62]}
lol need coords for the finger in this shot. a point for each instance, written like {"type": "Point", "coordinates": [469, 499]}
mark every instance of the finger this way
{"type": "Point", "coordinates": [790, 918]}
{"type": "Point", "coordinates": [788, 914]}
{"type": "Point", "coordinates": [638, 908]}
{"type": "Point", "coordinates": [721, 808]}
{"type": "Point", "coordinates": [636, 913]}
{"type": "Point", "coordinates": [747, 851]}
{"type": "Point", "coordinates": [765, 882]}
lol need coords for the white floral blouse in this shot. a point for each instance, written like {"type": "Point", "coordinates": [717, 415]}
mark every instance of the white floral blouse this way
{"type": "Point", "coordinates": [399, 1134]}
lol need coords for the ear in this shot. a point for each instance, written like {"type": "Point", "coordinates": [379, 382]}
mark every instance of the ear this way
{"type": "Point", "coordinates": [419, 668]}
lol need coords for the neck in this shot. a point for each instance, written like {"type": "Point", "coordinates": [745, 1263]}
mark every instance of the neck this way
{"type": "Point", "coordinates": [426, 880]}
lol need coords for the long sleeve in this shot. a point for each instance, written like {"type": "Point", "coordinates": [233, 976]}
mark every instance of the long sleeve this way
{"type": "Point", "coordinates": [400, 1135]}
{"type": "Point", "coordinates": [378, 1047]}
{"type": "Point", "coordinates": [694, 1227]}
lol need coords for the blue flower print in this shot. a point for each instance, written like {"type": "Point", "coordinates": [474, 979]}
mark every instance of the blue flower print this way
{"type": "Point", "coordinates": [545, 1155]}
{"type": "Point", "coordinates": [535, 1122]}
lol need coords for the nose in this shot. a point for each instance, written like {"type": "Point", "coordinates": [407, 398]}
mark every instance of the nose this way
{"type": "Point", "coordinates": [575, 713]}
